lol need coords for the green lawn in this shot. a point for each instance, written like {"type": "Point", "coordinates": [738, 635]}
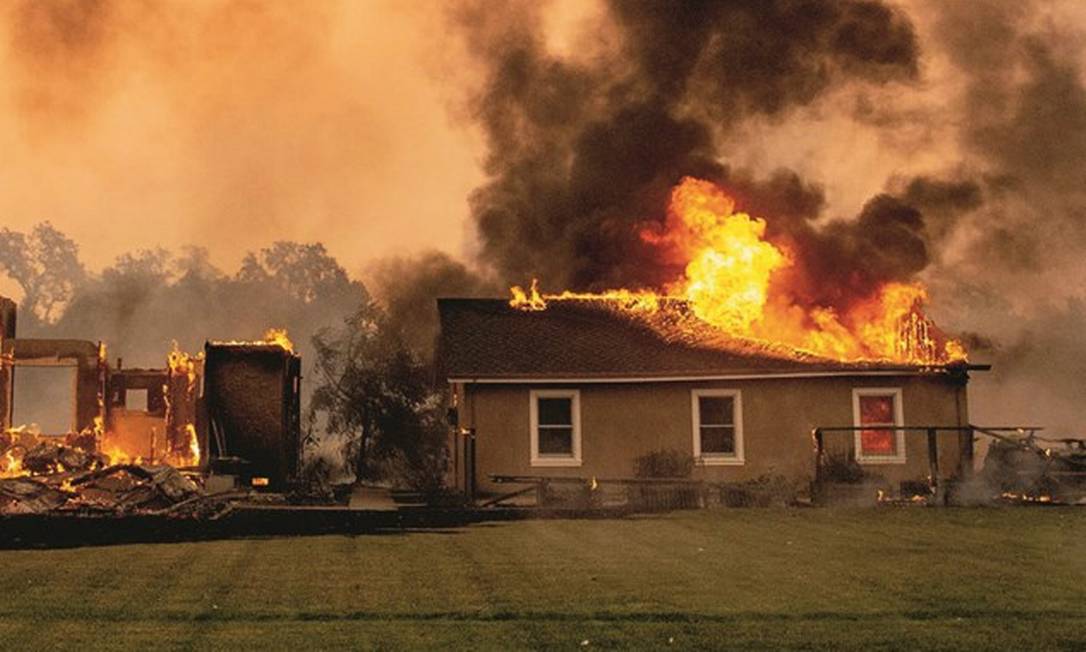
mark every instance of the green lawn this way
{"type": "Point", "coordinates": [911, 578]}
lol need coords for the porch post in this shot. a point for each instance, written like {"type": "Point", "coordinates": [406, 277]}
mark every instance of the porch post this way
{"type": "Point", "coordinates": [933, 460]}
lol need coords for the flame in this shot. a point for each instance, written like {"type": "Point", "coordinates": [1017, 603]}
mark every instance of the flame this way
{"type": "Point", "coordinates": [732, 281]}
{"type": "Point", "coordinates": [730, 263]}
{"type": "Point", "coordinates": [272, 337]}
{"type": "Point", "coordinates": [1026, 498]}
{"type": "Point", "coordinates": [530, 300]}
{"type": "Point", "coordinates": [11, 466]}
{"type": "Point", "coordinates": [278, 337]}
{"type": "Point", "coordinates": [12, 439]}
{"type": "Point", "coordinates": [181, 364]}
{"type": "Point", "coordinates": [117, 455]}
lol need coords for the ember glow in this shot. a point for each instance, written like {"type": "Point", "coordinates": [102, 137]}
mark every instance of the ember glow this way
{"type": "Point", "coordinates": [733, 281]}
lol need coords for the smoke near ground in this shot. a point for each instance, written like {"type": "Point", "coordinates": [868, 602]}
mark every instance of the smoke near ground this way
{"type": "Point", "coordinates": [149, 301]}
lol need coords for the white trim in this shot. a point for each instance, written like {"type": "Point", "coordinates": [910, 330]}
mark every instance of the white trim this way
{"type": "Point", "coordinates": [695, 412]}
{"type": "Point", "coordinates": [681, 379]}
{"type": "Point", "coordinates": [575, 414]}
{"type": "Point", "coordinates": [899, 420]}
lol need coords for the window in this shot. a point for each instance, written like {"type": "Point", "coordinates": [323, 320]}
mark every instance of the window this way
{"type": "Point", "coordinates": [718, 426]}
{"type": "Point", "coordinates": [556, 427]}
{"type": "Point", "coordinates": [877, 411]}
{"type": "Point", "coordinates": [136, 400]}
{"type": "Point", "coordinates": [45, 396]}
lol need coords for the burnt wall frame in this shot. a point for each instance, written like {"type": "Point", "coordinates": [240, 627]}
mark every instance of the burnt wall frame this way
{"type": "Point", "coordinates": [84, 355]}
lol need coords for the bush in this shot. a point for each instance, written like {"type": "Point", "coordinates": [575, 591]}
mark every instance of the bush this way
{"type": "Point", "coordinates": [843, 468]}
{"type": "Point", "coordinates": [424, 474]}
{"type": "Point", "coordinates": [763, 491]}
{"type": "Point", "coordinates": [667, 463]}
{"type": "Point", "coordinates": [315, 477]}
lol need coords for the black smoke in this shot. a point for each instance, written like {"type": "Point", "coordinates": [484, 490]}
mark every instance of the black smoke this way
{"type": "Point", "coordinates": [583, 149]}
{"type": "Point", "coordinates": [582, 154]}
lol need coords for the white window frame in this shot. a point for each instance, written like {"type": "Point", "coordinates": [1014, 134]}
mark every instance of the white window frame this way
{"type": "Point", "coordinates": [718, 459]}
{"type": "Point", "coordinates": [899, 421]}
{"type": "Point", "coordinates": [575, 415]}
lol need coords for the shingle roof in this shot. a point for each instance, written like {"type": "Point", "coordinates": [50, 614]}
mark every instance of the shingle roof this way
{"type": "Point", "coordinates": [578, 338]}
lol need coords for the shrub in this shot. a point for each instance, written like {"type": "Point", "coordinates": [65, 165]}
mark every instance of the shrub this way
{"type": "Point", "coordinates": [843, 468]}
{"type": "Point", "coordinates": [315, 477]}
{"type": "Point", "coordinates": [763, 491]}
{"type": "Point", "coordinates": [424, 473]}
{"type": "Point", "coordinates": [668, 463]}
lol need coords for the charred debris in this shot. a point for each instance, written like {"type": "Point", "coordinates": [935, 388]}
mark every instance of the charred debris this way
{"type": "Point", "coordinates": [215, 427]}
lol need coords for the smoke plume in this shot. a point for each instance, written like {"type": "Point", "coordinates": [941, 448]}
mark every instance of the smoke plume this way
{"type": "Point", "coordinates": [978, 111]}
{"type": "Point", "coordinates": [582, 153]}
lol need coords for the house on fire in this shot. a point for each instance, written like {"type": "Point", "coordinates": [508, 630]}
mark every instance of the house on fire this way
{"type": "Point", "coordinates": [583, 387]}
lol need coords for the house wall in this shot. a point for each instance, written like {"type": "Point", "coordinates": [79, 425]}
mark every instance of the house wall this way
{"type": "Point", "coordinates": [622, 421]}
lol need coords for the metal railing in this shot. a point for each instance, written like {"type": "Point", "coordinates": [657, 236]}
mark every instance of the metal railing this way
{"type": "Point", "coordinates": [965, 436]}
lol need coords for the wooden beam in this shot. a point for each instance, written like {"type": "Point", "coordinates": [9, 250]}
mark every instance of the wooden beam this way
{"type": "Point", "coordinates": [507, 496]}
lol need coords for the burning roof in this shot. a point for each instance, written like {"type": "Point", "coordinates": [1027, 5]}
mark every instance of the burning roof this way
{"type": "Point", "coordinates": [609, 338]}
{"type": "Point", "coordinates": [736, 290]}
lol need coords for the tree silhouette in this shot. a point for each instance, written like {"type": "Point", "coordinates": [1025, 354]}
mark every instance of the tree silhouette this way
{"type": "Point", "coordinates": [45, 264]}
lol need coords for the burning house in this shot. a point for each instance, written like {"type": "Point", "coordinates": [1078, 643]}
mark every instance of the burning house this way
{"type": "Point", "coordinates": [584, 388]}
{"type": "Point", "coordinates": [223, 419]}
{"type": "Point", "coordinates": [727, 365]}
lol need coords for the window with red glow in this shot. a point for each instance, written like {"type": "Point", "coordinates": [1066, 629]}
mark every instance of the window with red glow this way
{"type": "Point", "coordinates": [878, 410]}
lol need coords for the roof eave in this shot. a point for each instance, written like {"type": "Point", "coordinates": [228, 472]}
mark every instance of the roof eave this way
{"type": "Point", "coordinates": [760, 374]}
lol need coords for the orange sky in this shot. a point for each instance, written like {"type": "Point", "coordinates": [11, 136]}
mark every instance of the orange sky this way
{"type": "Point", "coordinates": [231, 125]}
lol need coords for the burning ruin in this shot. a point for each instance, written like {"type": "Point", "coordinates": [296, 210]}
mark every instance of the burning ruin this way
{"type": "Point", "coordinates": [737, 280]}
{"type": "Point", "coordinates": [209, 423]}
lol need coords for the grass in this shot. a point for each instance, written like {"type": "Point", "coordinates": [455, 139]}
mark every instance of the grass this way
{"type": "Point", "coordinates": [748, 579]}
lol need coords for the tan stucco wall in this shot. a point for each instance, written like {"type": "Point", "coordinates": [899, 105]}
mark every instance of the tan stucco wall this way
{"type": "Point", "coordinates": [621, 421]}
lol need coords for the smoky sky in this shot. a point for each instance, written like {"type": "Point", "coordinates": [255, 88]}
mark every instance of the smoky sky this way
{"type": "Point", "coordinates": [230, 124]}
{"type": "Point", "coordinates": [880, 139]}
{"type": "Point", "coordinates": [582, 154]}
{"type": "Point", "coordinates": [973, 116]}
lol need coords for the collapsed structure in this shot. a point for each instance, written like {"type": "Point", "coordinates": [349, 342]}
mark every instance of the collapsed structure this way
{"type": "Point", "coordinates": [224, 419]}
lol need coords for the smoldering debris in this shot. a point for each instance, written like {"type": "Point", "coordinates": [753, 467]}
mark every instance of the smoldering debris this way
{"type": "Point", "coordinates": [113, 490]}
{"type": "Point", "coordinates": [54, 478]}
{"type": "Point", "coordinates": [1035, 469]}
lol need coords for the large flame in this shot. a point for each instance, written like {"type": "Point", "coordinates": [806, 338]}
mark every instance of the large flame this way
{"type": "Point", "coordinates": [731, 282]}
